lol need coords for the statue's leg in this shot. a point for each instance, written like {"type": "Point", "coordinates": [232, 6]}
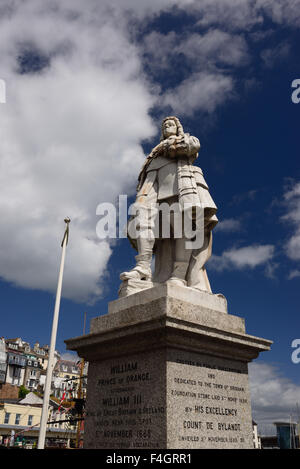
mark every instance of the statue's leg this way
{"type": "Point", "coordinates": [164, 256]}
{"type": "Point", "coordinates": [181, 260]}
{"type": "Point", "coordinates": [142, 270]}
{"type": "Point", "coordinates": [146, 215]}
{"type": "Point", "coordinates": [181, 263]}
{"type": "Point", "coordinates": [196, 275]}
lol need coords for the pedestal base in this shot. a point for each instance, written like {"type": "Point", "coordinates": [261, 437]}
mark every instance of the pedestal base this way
{"type": "Point", "coordinates": [168, 370]}
{"type": "Point", "coordinates": [130, 286]}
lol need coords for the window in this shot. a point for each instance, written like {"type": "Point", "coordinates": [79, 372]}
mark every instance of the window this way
{"type": "Point", "coordinates": [16, 372]}
{"type": "Point", "coordinates": [17, 420]}
{"type": "Point", "coordinates": [6, 418]}
{"type": "Point", "coordinates": [13, 346]}
{"type": "Point", "coordinates": [30, 418]}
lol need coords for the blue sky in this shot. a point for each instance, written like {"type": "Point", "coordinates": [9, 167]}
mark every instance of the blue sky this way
{"type": "Point", "coordinates": [86, 90]}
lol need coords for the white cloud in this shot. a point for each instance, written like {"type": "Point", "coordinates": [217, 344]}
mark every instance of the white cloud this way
{"type": "Point", "coordinates": [270, 269]}
{"type": "Point", "coordinates": [272, 55]}
{"type": "Point", "coordinates": [211, 48]}
{"type": "Point", "coordinates": [70, 139]}
{"type": "Point", "coordinates": [229, 225]}
{"type": "Point", "coordinates": [282, 11]}
{"type": "Point", "coordinates": [215, 46]}
{"type": "Point", "coordinates": [203, 90]}
{"type": "Point", "coordinates": [292, 218]}
{"type": "Point", "coordinates": [234, 14]}
{"type": "Point", "coordinates": [246, 14]}
{"type": "Point", "coordinates": [241, 258]}
{"type": "Point", "coordinates": [207, 86]}
{"type": "Point", "coordinates": [273, 397]}
{"type": "Point", "coordinates": [158, 49]}
{"type": "Point", "coordinates": [293, 246]}
{"type": "Point", "coordinates": [294, 274]}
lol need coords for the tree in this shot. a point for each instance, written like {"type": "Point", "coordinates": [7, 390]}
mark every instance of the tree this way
{"type": "Point", "coordinates": [23, 391]}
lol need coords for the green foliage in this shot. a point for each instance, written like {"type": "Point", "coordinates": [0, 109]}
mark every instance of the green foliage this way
{"type": "Point", "coordinates": [23, 391]}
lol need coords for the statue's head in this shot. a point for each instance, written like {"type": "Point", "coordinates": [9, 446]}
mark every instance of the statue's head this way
{"type": "Point", "coordinates": [171, 126]}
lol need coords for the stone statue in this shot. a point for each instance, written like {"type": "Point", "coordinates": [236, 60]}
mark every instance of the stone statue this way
{"type": "Point", "coordinates": [169, 179]}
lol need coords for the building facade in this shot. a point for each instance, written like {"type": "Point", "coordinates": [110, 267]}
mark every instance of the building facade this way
{"type": "Point", "coordinates": [16, 362]}
{"type": "Point", "coordinates": [26, 366]}
{"type": "Point", "coordinates": [23, 365]}
{"type": "Point", "coordinates": [66, 377]}
{"type": "Point", "coordinates": [20, 423]}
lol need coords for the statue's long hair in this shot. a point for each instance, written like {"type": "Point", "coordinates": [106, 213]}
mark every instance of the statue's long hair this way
{"type": "Point", "coordinates": [180, 131]}
{"type": "Point", "coordinates": [155, 150]}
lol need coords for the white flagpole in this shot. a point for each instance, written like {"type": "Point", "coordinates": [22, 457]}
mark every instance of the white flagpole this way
{"type": "Point", "coordinates": [44, 418]}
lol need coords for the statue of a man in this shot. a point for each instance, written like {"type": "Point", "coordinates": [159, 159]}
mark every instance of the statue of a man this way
{"type": "Point", "coordinates": [168, 177]}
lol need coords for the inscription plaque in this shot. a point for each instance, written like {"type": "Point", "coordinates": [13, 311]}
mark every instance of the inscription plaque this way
{"type": "Point", "coordinates": [210, 397]}
{"type": "Point", "coordinates": [123, 408]}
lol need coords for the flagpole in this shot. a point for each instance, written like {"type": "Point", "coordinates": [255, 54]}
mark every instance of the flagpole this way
{"type": "Point", "coordinates": [44, 417]}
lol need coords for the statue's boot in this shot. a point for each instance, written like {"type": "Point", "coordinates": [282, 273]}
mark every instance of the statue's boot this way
{"type": "Point", "coordinates": [179, 273]}
{"type": "Point", "coordinates": [142, 270]}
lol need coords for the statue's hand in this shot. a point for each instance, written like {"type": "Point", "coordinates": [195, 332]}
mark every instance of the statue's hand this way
{"type": "Point", "coordinates": [159, 150]}
{"type": "Point", "coordinates": [171, 146]}
{"type": "Point", "coordinates": [178, 146]}
{"type": "Point", "coordinates": [182, 146]}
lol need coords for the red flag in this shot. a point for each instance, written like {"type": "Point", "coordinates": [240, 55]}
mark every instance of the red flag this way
{"type": "Point", "coordinates": [62, 400]}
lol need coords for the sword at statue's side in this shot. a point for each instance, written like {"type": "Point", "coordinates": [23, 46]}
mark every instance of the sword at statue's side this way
{"type": "Point", "coordinates": [45, 409]}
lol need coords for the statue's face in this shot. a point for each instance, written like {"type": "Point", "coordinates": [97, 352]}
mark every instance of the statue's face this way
{"type": "Point", "coordinates": [169, 128]}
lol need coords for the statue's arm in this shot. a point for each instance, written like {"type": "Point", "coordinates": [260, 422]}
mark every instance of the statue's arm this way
{"type": "Point", "coordinates": [185, 145]}
{"type": "Point", "coordinates": [159, 150]}
{"type": "Point", "coordinates": [194, 144]}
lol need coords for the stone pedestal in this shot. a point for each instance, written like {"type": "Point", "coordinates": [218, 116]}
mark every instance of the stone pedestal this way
{"type": "Point", "coordinates": [168, 369]}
